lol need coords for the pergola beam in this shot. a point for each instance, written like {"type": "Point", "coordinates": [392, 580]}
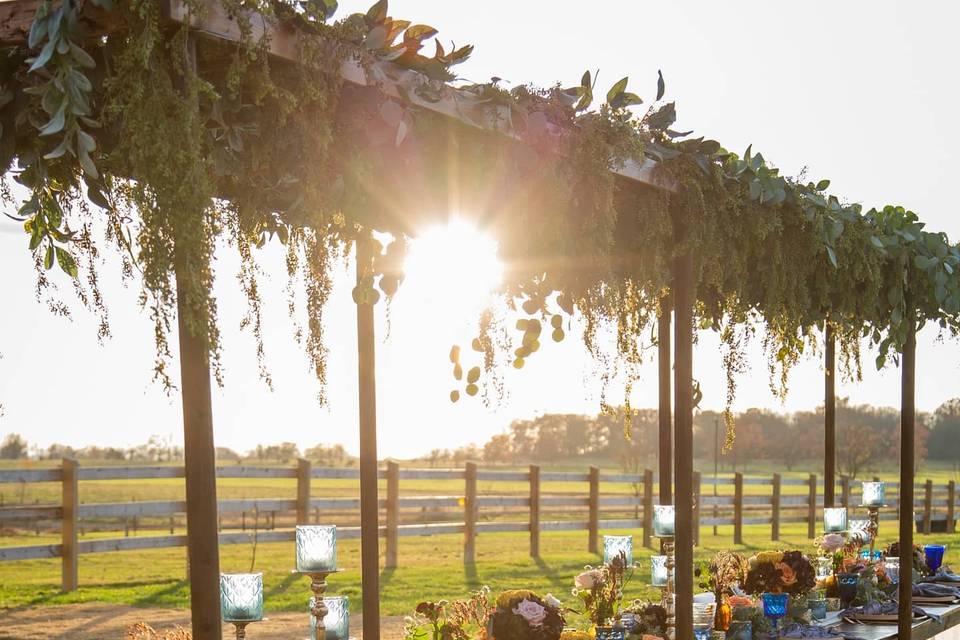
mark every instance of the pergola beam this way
{"type": "Point", "coordinates": [664, 411]}
{"type": "Point", "coordinates": [907, 428]}
{"type": "Point", "coordinates": [829, 416]}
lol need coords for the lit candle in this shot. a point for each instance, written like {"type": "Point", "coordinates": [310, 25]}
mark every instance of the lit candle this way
{"type": "Point", "coordinates": [241, 597]}
{"type": "Point", "coordinates": [316, 548]}
{"type": "Point", "coordinates": [664, 519]}
{"type": "Point", "coordinates": [614, 546]}
{"type": "Point", "coordinates": [658, 571]}
{"type": "Point", "coordinates": [835, 519]}
{"type": "Point", "coordinates": [337, 621]}
{"type": "Point", "coordinates": [873, 494]}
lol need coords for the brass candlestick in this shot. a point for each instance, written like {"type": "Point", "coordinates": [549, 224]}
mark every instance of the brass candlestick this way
{"type": "Point", "coordinates": [318, 584]}
{"type": "Point", "coordinates": [874, 527]}
{"type": "Point", "coordinates": [667, 549]}
{"type": "Point", "coordinates": [241, 629]}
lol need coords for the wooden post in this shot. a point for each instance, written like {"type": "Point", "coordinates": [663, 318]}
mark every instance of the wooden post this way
{"type": "Point", "coordinates": [812, 507]}
{"type": "Point", "coordinates": [927, 506]}
{"type": "Point", "coordinates": [647, 507]}
{"type": "Point", "coordinates": [829, 416]}
{"type": "Point", "coordinates": [369, 493]}
{"type": "Point", "coordinates": [775, 508]}
{"type": "Point", "coordinates": [393, 513]}
{"type": "Point", "coordinates": [664, 412]}
{"type": "Point", "coordinates": [907, 425]}
{"type": "Point", "coordinates": [593, 525]}
{"type": "Point", "coordinates": [303, 491]}
{"type": "Point", "coordinates": [470, 515]}
{"type": "Point", "coordinates": [696, 507]}
{"type": "Point", "coordinates": [845, 491]}
{"type": "Point", "coordinates": [738, 508]}
{"type": "Point", "coordinates": [683, 297]}
{"type": "Point", "coordinates": [534, 511]}
{"type": "Point", "coordinates": [951, 499]}
{"type": "Point", "coordinates": [70, 509]}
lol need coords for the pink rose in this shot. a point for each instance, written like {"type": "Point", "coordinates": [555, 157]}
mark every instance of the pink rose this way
{"type": "Point", "coordinates": [832, 542]}
{"type": "Point", "coordinates": [531, 611]}
{"type": "Point", "coordinates": [586, 580]}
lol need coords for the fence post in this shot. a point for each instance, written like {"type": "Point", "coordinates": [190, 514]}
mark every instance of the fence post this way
{"type": "Point", "coordinates": [696, 508]}
{"type": "Point", "coordinates": [393, 513]}
{"type": "Point", "coordinates": [647, 507]}
{"type": "Point", "coordinates": [738, 508]}
{"type": "Point", "coordinates": [70, 508]}
{"type": "Point", "coordinates": [951, 498]}
{"type": "Point", "coordinates": [303, 491]}
{"type": "Point", "coordinates": [845, 491]}
{"type": "Point", "coordinates": [812, 508]}
{"type": "Point", "coordinates": [927, 505]}
{"type": "Point", "coordinates": [534, 511]}
{"type": "Point", "coordinates": [593, 525]}
{"type": "Point", "coordinates": [775, 507]}
{"type": "Point", "coordinates": [470, 515]}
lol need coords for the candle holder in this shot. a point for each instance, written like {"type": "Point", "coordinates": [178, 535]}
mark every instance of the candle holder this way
{"type": "Point", "coordinates": [616, 546]}
{"type": "Point", "coordinates": [318, 606]}
{"type": "Point", "coordinates": [241, 600]}
{"type": "Point", "coordinates": [835, 519]}
{"type": "Point", "coordinates": [317, 558]}
{"type": "Point", "coordinates": [337, 621]}
{"type": "Point", "coordinates": [664, 527]}
{"type": "Point", "coordinates": [873, 497]}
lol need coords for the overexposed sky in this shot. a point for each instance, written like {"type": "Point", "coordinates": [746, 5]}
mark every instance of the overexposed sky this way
{"type": "Point", "coordinates": [863, 93]}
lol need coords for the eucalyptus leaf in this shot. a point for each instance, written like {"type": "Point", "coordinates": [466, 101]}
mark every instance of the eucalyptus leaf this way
{"type": "Point", "coordinates": [661, 86]}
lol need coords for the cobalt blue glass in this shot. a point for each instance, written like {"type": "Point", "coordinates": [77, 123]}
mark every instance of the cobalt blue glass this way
{"type": "Point", "coordinates": [847, 584]}
{"type": "Point", "coordinates": [775, 607]}
{"type": "Point", "coordinates": [933, 554]}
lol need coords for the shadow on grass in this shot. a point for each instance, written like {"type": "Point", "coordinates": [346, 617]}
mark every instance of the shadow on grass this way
{"type": "Point", "coordinates": [471, 576]}
{"type": "Point", "coordinates": [282, 586]}
{"type": "Point", "coordinates": [387, 575]}
{"type": "Point", "coordinates": [156, 597]}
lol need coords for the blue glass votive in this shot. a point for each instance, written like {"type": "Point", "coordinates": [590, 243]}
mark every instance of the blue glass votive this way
{"type": "Point", "coordinates": [847, 584]}
{"type": "Point", "coordinates": [664, 520]}
{"type": "Point", "coordinates": [818, 608]}
{"type": "Point", "coordinates": [241, 597]}
{"type": "Point", "coordinates": [337, 621]}
{"type": "Point", "coordinates": [614, 546]}
{"type": "Point", "coordinates": [316, 548]}
{"type": "Point", "coordinates": [933, 554]}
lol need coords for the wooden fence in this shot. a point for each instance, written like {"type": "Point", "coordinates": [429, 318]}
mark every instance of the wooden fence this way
{"type": "Point", "coordinates": [748, 504]}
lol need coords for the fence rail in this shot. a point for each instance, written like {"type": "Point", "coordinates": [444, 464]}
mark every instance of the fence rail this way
{"type": "Point", "coordinates": [591, 510]}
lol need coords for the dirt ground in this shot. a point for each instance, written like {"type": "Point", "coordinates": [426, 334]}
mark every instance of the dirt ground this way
{"type": "Point", "coordinates": [107, 622]}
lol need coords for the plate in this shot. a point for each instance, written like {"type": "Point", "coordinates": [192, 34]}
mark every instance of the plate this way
{"type": "Point", "coordinates": [934, 599]}
{"type": "Point", "coordinates": [879, 618]}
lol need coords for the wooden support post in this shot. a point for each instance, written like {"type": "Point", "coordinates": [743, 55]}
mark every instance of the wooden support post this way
{"type": "Point", "coordinates": [775, 508]}
{"type": "Point", "coordinates": [951, 500]}
{"type": "Point", "coordinates": [303, 491]}
{"type": "Point", "coordinates": [393, 513]}
{"type": "Point", "coordinates": [70, 507]}
{"type": "Point", "coordinates": [369, 492]}
{"type": "Point", "coordinates": [593, 525]}
{"type": "Point", "coordinates": [738, 508]}
{"type": "Point", "coordinates": [829, 416]}
{"type": "Point", "coordinates": [647, 507]}
{"type": "Point", "coordinates": [927, 506]}
{"type": "Point", "coordinates": [683, 297]}
{"type": "Point", "coordinates": [812, 507]}
{"type": "Point", "coordinates": [534, 511]}
{"type": "Point", "coordinates": [470, 515]}
{"type": "Point", "coordinates": [696, 507]}
{"type": "Point", "coordinates": [907, 426]}
{"type": "Point", "coordinates": [845, 492]}
{"type": "Point", "coordinates": [664, 412]}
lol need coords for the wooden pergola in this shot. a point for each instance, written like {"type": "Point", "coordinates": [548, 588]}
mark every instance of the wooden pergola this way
{"type": "Point", "coordinates": [676, 460]}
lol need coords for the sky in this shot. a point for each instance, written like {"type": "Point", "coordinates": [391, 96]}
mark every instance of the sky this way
{"type": "Point", "coordinates": [862, 93]}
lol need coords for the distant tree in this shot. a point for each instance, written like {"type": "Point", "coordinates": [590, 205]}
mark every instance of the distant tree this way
{"type": "Point", "coordinates": [57, 451]}
{"type": "Point", "coordinates": [944, 443]}
{"type": "Point", "coordinates": [329, 455]}
{"type": "Point", "coordinates": [13, 447]}
{"type": "Point", "coordinates": [226, 453]}
{"type": "Point", "coordinates": [497, 449]}
{"type": "Point", "coordinates": [858, 448]}
{"type": "Point", "coordinates": [749, 445]}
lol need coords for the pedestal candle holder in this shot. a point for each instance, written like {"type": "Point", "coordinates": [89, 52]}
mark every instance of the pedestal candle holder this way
{"type": "Point", "coordinates": [664, 527]}
{"type": "Point", "coordinates": [873, 498]}
{"type": "Point", "coordinates": [318, 608]}
{"type": "Point", "coordinates": [241, 600]}
{"type": "Point", "coordinates": [317, 558]}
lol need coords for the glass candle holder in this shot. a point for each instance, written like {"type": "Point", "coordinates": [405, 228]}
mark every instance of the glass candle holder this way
{"type": "Point", "coordinates": [873, 494]}
{"type": "Point", "coordinates": [316, 548]}
{"type": "Point", "coordinates": [614, 546]}
{"type": "Point", "coordinates": [664, 520]}
{"type": "Point", "coordinates": [860, 531]}
{"type": "Point", "coordinates": [337, 621]}
{"type": "Point", "coordinates": [933, 554]}
{"type": "Point", "coordinates": [847, 584]}
{"type": "Point", "coordinates": [658, 571]}
{"type": "Point", "coordinates": [824, 568]}
{"type": "Point", "coordinates": [818, 607]}
{"type": "Point", "coordinates": [775, 607]}
{"type": "Point", "coordinates": [241, 597]}
{"type": "Point", "coordinates": [835, 519]}
{"type": "Point", "coordinates": [891, 566]}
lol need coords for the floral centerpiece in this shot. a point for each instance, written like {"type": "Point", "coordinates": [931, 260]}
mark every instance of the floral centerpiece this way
{"type": "Point", "coordinates": [444, 620]}
{"type": "Point", "coordinates": [522, 615]}
{"type": "Point", "coordinates": [601, 590]}
{"type": "Point", "coordinates": [722, 576]}
{"type": "Point", "coordinates": [651, 620]}
{"type": "Point", "coordinates": [779, 572]}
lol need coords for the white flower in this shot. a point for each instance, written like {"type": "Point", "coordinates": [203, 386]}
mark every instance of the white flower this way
{"type": "Point", "coordinates": [586, 580]}
{"type": "Point", "coordinates": [552, 601]}
{"type": "Point", "coordinates": [532, 612]}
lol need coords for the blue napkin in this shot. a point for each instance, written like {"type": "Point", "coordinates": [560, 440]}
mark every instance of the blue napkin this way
{"type": "Point", "coordinates": [936, 590]}
{"type": "Point", "coordinates": [891, 607]}
{"type": "Point", "coordinates": [942, 575]}
{"type": "Point", "coordinates": [797, 630]}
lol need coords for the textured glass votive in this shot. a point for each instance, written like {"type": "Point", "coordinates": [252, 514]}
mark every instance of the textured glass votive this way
{"type": "Point", "coordinates": [664, 520]}
{"type": "Point", "coordinates": [818, 608]}
{"type": "Point", "coordinates": [873, 494]}
{"type": "Point", "coordinates": [337, 621]}
{"type": "Point", "coordinates": [824, 568]}
{"type": "Point", "coordinates": [658, 571]}
{"type": "Point", "coordinates": [891, 566]}
{"type": "Point", "coordinates": [860, 531]}
{"type": "Point", "coordinates": [614, 546]}
{"type": "Point", "coordinates": [241, 597]}
{"type": "Point", "coordinates": [316, 548]}
{"type": "Point", "coordinates": [835, 519]}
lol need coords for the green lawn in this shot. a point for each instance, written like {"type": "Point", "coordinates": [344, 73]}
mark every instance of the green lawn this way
{"type": "Point", "coordinates": [430, 568]}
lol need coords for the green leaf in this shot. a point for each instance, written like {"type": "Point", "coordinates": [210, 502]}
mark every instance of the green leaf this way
{"type": "Point", "coordinates": [48, 259]}
{"type": "Point", "coordinates": [419, 32]}
{"type": "Point", "coordinates": [38, 30]}
{"type": "Point", "coordinates": [617, 89]}
{"type": "Point", "coordinates": [877, 242]}
{"type": "Point", "coordinates": [66, 262]}
{"type": "Point", "coordinates": [823, 184]}
{"type": "Point", "coordinates": [82, 57]}
{"type": "Point", "coordinates": [45, 54]}
{"type": "Point", "coordinates": [377, 13]}
{"type": "Point", "coordinates": [832, 255]}
{"type": "Point", "coordinates": [88, 167]}
{"type": "Point", "coordinates": [663, 117]}
{"type": "Point", "coordinates": [56, 123]}
{"type": "Point", "coordinates": [585, 79]}
{"type": "Point", "coordinates": [35, 237]}
{"type": "Point", "coordinates": [661, 86]}
{"type": "Point", "coordinates": [881, 360]}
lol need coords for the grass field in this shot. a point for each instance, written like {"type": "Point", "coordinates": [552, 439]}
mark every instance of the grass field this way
{"type": "Point", "coordinates": [430, 568]}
